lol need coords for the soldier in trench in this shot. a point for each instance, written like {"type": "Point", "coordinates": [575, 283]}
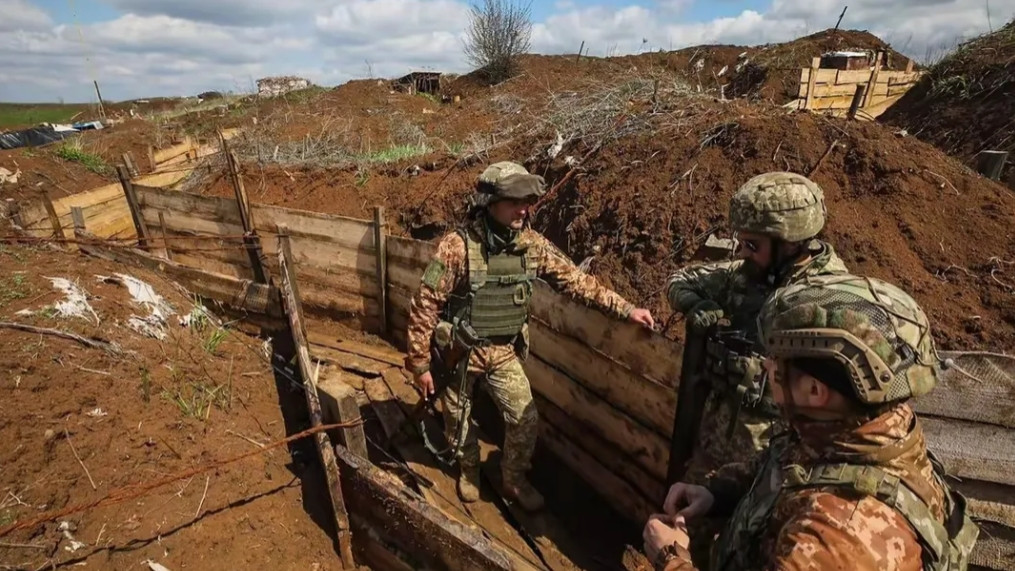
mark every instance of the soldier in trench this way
{"type": "Point", "coordinates": [471, 311]}
{"type": "Point", "coordinates": [851, 485]}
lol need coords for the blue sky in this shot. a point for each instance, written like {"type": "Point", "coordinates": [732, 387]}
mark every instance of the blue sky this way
{"type": "Point", "coordinates": [140, 48]}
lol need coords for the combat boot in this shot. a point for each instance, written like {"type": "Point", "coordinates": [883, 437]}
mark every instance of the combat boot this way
{"type": "Point", "coordinates": [519, 489]}
{"type": "Point", "coordinates": [468, 483]}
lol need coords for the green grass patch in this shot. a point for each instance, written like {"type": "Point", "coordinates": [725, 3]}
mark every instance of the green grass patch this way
{"type": "Point", "coordinates": [28, 115]}
{"type": "Point", "coordinates": [7, 517]}
{"type": "Point", "coordinates": [72, 150]}
{"type": "Point", "coordinates": [195, 400]}
{"type": "Point", "coordinates": [12, 288]}
{"type": "Point", "coordinates": [211, 344]}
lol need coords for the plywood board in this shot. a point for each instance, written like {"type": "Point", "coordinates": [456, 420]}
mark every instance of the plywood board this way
{"type": "Point", "coordinates": [972, 450]}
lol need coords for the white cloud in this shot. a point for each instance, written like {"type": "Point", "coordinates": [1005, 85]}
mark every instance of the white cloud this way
{"type": "Point", "coordinates": [20, 15]}
{"type": "Point", "coordinates": [163, 47]}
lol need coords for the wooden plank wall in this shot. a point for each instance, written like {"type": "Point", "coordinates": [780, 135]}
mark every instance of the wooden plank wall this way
{"type": "Point", "coordinates": [336, 255]}
{"type": "Point", "coordinates": [834, 88]}
{"type": "Point", "coordinates": [104, 208]}
{"type": "Point", "coordinates": [606, 390]}
{"type": "Point", "coordinates": [969, 420]}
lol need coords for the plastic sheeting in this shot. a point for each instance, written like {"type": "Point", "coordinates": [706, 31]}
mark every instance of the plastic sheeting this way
{"type": "Point", "coordinates": [33, 137]}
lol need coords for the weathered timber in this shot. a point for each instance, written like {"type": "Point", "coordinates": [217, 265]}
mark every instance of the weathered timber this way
{"type": "Point", "coordinates": [972, 451]}
{"type": "Point", "coordinates": [338, 406]}
{"type": "Point", "coordinates": [980, 387]}
{"type": "Point", "coordinates": [380, 247]}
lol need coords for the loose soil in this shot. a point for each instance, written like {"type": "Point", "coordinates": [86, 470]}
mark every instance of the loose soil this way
{"type": "Point", "coordinates": [120, 415]}
{"type": "Point", "coordinates": [966, 104]}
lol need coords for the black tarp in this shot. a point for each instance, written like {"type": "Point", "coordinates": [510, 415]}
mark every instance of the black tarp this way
{"type": "Point", "coordinates": [33, 137]}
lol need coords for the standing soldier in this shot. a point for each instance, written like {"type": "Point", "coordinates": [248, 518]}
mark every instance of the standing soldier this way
{"type": "Point", "coordinates": [852, 485]}
{"type": "Point", "coordinates": [471, 313]}
{"type": "Point", "coordinates": [776, 217]}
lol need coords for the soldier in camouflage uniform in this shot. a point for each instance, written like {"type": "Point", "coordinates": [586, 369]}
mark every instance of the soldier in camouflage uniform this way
{"type": "Point", "coordinates": [852, 485]}
{"type": "Point", "coordinates": [479, 285]}
{"type": "Point", "coordinates": [776, 217]}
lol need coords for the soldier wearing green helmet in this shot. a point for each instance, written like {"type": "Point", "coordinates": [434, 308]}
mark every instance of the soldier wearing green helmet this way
{"type": "Point", "coordinates": [775, 217]}
{"type": "Point", "coordinates": [852, 484]}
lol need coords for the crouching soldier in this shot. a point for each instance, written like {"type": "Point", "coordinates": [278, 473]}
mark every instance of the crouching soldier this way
{"type": "Point", "coordinates": [852, 485]}
{"type": "Point", "coordinates": [472, 311]}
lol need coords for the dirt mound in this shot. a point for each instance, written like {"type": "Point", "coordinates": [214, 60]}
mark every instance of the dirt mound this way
{"type": "Point", "coordinates": [81, 422]}
{"type": "Point", "coordinates": [966, 103]}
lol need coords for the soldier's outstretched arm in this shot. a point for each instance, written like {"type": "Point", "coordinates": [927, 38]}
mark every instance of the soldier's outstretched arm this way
{"type": "Point", "coordinates": [561, 273]}
{"type": "Point", "coordinates": [442, 275]}
{"type": "Point", "coordinates": [701, 282]}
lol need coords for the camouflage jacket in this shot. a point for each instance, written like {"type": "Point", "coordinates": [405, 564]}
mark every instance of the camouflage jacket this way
{"type": "Point", "coordinates": [739, 294]}
{"type": "Point", "coordinates": [828, 527]}
{"type": "Point", "coordinates": [553, 266]}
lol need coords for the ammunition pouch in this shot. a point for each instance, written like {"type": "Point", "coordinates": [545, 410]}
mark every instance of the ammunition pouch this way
{"type": "Point", "coordinates": [736, 371]}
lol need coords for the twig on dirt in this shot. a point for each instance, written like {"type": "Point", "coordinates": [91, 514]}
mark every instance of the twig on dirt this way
{"type": "Point", "coordinates": [23, 545]}
{"type": "Point", "coordinates": [776, 153]}
{"type": "Point", "coordinates": [944, 179]}
{"type": "Point", "coordinates": [247, 438]}
{"type": "Point", "coordinates": [93, 343]}
{"type": "Point", "coordinates": [207, 481]}
{"type": "Point", "coordinates": [127, 493]}
{"type": "Point", "coordinates": [171, 449]}
{"type": "Point", "coordinates": [98, 538]}
{"type": "Point", "coordinates": [823, 157]}
{"type": "Point", "coordinates": [87, 370]}
{"type": "Point", "coordinates": [75, 452]}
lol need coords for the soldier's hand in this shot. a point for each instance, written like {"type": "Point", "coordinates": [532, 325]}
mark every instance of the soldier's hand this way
{"type": "Point", "coordinates": [688, 501]}
{"type": "Point", "coordinates": [661, 531]}
{"type": "Point", "coordinates": [425, 383]}
{"type": "Point", "coordinates": [642, 317]}
{"type": "Point", "coordinates": [704, 315]}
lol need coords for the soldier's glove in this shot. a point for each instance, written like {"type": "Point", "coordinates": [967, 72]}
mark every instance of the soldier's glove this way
{"type": "Point", "coordinates": [704, 314]}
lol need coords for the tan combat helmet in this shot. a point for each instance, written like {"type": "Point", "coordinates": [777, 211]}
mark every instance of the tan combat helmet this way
{"type": "Point", "coordinates": [874, 329]}
{"type": "Point", "coordinates": [782, 205]}
{"type": "Point", "coordinates": [509, 180]}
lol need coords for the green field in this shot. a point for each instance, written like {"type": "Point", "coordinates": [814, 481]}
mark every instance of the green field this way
{"type": "Point", "coordinates": [14, 115]}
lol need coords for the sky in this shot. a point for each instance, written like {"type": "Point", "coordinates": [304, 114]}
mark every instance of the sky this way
{"type": "Point", "coordinates": [52, 50]}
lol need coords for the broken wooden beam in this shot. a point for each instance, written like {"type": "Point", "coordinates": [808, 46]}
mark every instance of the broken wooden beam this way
{"type": "Point", "coordinates": [143, 237]}
{"type": "Point", "coordinates": [339, 406]}
{"type": "Point", "coordinates": [291, 304]}
{"type": "Point", "coordinates": [54, 220]}
{"type": "Point", "coordinates": [414, 526]}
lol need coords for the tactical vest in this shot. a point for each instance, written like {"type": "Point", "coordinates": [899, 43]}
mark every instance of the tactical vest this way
{"type": "Point", "coordinates": [496, 299]}
{"type": "Point", "coordinates": [945, 547]}
{"type": "Point", "coordinates": [736, 371]}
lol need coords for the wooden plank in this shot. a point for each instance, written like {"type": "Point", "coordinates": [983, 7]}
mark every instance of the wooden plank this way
{"type": "Point", "coordinates": [338, 279]}
{"type": "Point", "coordinates": [254, 298]}
{"type": "Point", "coordinates": [210, 208]}
{"type": "Point", "coordinates": [182, 222]}
{"type": "Point", "coordinates": [54, 220]}
{"type": "Point", "coordinates": [811, 80]}
{"type": "Point", "coordinates": [482, 514]}
{"type": "Point", "coordinates": [645, 401]}
{"type": "Point", "coordinates": [338, 406]}
{"type": "Point", "coordinates": [979, 388]}
{"type": "Point", "coordinates": [413, 525]}
{"type": "Point", "coordinates": [291, 304]}
{"type": "Point", "coordinates": [995, 547]}
{"type": "Point", "coordinates": [327, 255]}
{"type": "Point", "coordinates": [349, 362]}
{"type": "Point", "coordinates": [822, 76]}
{"type": "Point", "coordinates": [404, 277]}
{"type": "Point", "coordinates": [823, 91]}
{"type": "Point", "coordinates": [642, 445]}
{"type": "Point", "coordinates": [381, 250]}
{"type": "Point", "coordinates": [645, 353]}
{"type": "Point", "coordinates": [377, 353]}
{"type": "Point", "coordinates": [871, 84]}
{"type": "Point", "coordinates": [168, 153]}
{"type": "Point", "coordinates": [625, 499]}
{"type": "Point", "coordinates": [352, 233]}
{"type": "Point", "coordinates": [649, 488]}
{"type": "Point", "coordinates": [851, 76]}
{"type": "Point", "coordinates": [165, 237]}
{"type": "Point", "coordinates": [832, 103]}
{"type": "Point", "coordinates": [972, 450]}
{"type": "Point", "coordinates": [79, 218]}
{"type": "Point", "coordinates": [143, 237]}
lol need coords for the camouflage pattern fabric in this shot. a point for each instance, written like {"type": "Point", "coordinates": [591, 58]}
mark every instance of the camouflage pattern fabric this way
{"type": "Point", "coordinates": [783, 205]}
{"type": "Point", "coordinates": [741, 296]}
{"type": "Point", "coordinates": [827, 527]}
{"type": "Point", "coordinates": [507, 384]}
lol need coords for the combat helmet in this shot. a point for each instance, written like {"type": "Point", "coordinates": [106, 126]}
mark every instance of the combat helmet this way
{"type": "Point", "coordinates": [874, 329]}
{"type": "Point", "coordinates": [782, 205]}
{"type": "Point", "coordinates": [507, 179]}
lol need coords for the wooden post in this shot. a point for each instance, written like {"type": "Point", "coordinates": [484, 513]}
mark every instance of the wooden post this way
{"type": "Point", "coordinates": [872, 82]}
{"type": "Point", "coordinates": [143, 237]}
{"type": "Point", "coordinates": [582, 47]}
{"type": "Point", "coordinates": [151, 158]}
{"type": "Point", "coordinates": [840, 19]}
{"type": "Point", "coordinates": [78, 215]}
{"type": "Point", "coordinates": [381, 243]}
{"type": "Point", "coordinates": [655, 91]}
{"type": "Point", "coordinates": [991, 163]}
{"type": "Point", "coordinates": [909, 66]}
{"type": "Point", "coordinates": [251, 240]}
{"type": "Point", "coordinates": [339, 406]}
{"type": "Point", "coordinates": [854, 106]}
{"type": "Point", "coordinates": [102, 108]}
{"type": "Point", "coordinates": [14, 213]}
{"type": "Point", "coordinates": [54, 219]}
{"type": "Point", "coordinates": [165, 236]}
{"type": "Point", "coordinates": [815, 65]}
{"type": "Point", "coordinates": [131, 167]}
{"type": "Point", "coordinates": [291, 304]}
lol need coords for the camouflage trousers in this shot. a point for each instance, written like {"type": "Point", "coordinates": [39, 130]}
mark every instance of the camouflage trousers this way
{"type": "Point", "coordinates": [506, 382]}
{"type": "Point", "coordinates": [716, 447]}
